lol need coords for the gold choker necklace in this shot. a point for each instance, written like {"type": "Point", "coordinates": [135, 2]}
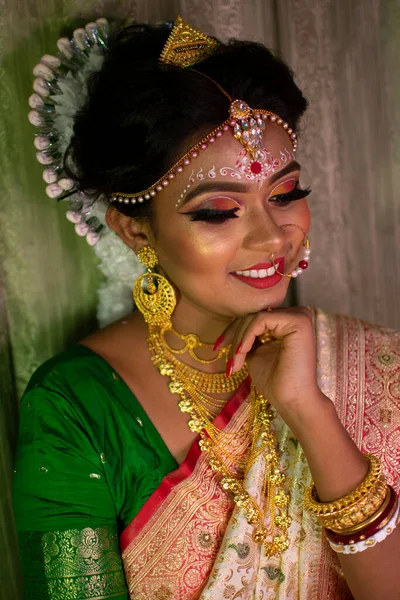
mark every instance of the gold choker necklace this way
{"type": "Point", "coordinates": [191, 342]}
{"type": "Point", "coordinates": [194, 388]}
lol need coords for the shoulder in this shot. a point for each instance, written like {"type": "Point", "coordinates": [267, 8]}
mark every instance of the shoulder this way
{"type": "Point", "coordinates": [75, 386]}
{"type": "Point", "coordinates": [359, 364]}
{"type": "Point", "coordinates": [74, 361]}
{"type": "Point", "coordinates": [76, 370]}
{"type": "Point", "coordinates": [350, 334]}
{"type": "Point", "coordinates": [92, 362]}
{"type": "Point", "coordinates": [362, 359]}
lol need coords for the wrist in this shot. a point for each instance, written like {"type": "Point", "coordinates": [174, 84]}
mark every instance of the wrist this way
{"type": "Point", "coordinates": [304, 414]}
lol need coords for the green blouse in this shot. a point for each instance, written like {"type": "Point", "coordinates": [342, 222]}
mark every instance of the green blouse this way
{"type": "Point", "coordinates": [88, 458]}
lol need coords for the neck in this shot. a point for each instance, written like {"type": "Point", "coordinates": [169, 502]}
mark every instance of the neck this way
{"type": "Point", "coordinates": [188, 318]}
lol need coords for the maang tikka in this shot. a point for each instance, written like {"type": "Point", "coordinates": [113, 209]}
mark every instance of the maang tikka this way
{"type": "Point", "coordinates": [185, 47]}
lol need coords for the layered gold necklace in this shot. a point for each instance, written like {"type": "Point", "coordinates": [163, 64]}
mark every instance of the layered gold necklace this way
{"type": "Point", "coordinates": [197, 390]}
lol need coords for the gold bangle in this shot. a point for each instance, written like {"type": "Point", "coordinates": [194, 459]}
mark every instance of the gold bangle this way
{"type": "Point", "coordinates": [359, 511]}
{"type": "Point", "coordinates": [342, 505]}
{"type": "Point", "coordinates": [362, 514]}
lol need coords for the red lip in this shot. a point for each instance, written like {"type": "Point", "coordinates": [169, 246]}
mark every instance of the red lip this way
{"type": "Point", "coordinates": [263, 282]}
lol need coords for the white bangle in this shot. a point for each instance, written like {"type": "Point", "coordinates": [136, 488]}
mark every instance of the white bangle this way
{"type": "Point", "coordinates": [374, 539]}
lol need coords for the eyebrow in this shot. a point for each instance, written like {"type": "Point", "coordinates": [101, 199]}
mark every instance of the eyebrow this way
{"type": "Point", "coordinates": [233, 186]}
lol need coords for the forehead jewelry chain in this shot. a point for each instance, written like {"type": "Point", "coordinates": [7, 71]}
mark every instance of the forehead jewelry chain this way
{"type": "Point", "coordinates": [185, 47]}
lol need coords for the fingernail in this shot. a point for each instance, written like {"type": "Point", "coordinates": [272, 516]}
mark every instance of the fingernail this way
{"type": "Point", "coordinates": [229, 367]}
{"type": "Point", "coordinates": [218, 342]}
{"type": "Point", "coordinates": [239, 346]}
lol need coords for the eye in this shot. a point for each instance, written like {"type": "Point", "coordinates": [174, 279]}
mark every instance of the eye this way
{"type": "Point", "coordinates": [295, 194]}
{"type": "Point", "coordinates": [213, 216]}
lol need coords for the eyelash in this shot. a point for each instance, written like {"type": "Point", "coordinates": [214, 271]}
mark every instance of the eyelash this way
{"type": "Point", "coordinates": [296, 194]}
{"type": "Point", "coordinates": [220, 216]}
{"type": "Point", "coordinates": [213, 216]}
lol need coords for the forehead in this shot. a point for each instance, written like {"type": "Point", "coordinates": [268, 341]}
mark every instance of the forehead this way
{"type": "Point", "coordinates": [227, 158]}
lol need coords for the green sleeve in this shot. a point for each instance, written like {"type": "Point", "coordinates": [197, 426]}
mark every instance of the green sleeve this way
{"type": "Point", "coordinates": [64, 510]}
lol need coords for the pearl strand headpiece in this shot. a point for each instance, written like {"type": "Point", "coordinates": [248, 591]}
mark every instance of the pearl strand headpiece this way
{"type": "Point", "coordinates": [186, 46]}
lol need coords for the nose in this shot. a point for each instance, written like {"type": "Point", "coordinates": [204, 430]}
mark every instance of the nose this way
{"type": "Point", "coordinates": [265, 235]}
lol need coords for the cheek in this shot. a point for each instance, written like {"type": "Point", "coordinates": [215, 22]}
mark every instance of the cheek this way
{"type": "Point", "coordinates": [305, 214]}
{"type": "Point", "coordinates": [197, 247]}
{"type": "Point", "coordinates": [300, 215]}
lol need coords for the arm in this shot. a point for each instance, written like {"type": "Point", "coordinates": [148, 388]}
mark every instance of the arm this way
{"type": "Point", "coordinates": [337, 468]}
{"type": "Point", "coordinates": [285, 372]}
{"type": "Point", "coordinates": [64, 510]}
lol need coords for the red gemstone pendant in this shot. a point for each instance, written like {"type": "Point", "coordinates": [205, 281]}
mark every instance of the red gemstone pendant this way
{"type": "Point", "coordinates": [303, 264]}
{"type": "Point", "coordinates": [255, 167]}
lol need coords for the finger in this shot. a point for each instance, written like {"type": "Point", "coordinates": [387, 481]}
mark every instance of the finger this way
{"type": "Point", "coordinates": [236, 343]}
{"type": "Point", "coordinates": [280, 324]}
{"type": "Point", "coordinates": [227, 335]}
{"type": "Point", "coordinates": [250, 336]}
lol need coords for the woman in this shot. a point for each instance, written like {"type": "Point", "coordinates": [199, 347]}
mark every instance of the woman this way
{"type": "Point", "coordinates": [275, 476]}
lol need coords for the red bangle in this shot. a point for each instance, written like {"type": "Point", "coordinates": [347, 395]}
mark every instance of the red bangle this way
{"type": "Point", "coordinates": [371, 529]}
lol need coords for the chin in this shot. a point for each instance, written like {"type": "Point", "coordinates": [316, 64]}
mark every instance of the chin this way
{"type": "Point", "coordinates": [255, 307]}
{"type": "Point", "coordinates": [268, 299]}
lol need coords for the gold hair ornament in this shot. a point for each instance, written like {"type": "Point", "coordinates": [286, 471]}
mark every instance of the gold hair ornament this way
{"type": "Point", "coordinates": [185, 47]}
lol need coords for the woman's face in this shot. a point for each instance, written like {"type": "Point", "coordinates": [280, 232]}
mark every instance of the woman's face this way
{"type": "Point", "coordinates": [210, 226]}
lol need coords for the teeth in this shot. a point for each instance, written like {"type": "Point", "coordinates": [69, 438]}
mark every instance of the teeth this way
{"type": "Point", "coordinates": [256, 274]}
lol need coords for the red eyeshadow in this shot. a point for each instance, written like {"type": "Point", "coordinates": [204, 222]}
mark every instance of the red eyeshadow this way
{"type": "Point", "coordinates": [219, 204]}
{"type": "Point", "coordinates": [284, 187]}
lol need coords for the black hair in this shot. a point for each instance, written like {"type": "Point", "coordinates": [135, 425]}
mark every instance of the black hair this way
{"type": "Point", "coordinates": [141, 116]}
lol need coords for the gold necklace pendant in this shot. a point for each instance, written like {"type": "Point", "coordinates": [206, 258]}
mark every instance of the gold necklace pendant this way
{"type": "Point", "coordinates": [207, 383]}
{"type": "Point", "coordinates": [277, 500]}
{"type": "Point", "coordinates": [191, 342]}
{"type": "Point", "coordinates": [194, 388]}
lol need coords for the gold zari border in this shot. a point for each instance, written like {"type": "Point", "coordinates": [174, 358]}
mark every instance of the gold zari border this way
{"type": "Point", "coordinates": [78, 564]}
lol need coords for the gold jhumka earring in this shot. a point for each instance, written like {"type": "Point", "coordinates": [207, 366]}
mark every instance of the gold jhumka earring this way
{"type": "Point", "coordinates": [153, 294]}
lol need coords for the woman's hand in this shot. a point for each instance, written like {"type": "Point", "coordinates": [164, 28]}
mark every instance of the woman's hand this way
{"type": "Point", "coordinates": [284, 370]}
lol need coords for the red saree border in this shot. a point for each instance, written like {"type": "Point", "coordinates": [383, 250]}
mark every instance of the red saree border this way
{"type": "Point", "coordinates": [184, 471]}
{"type": "Point", "coordinates": [183, 525]}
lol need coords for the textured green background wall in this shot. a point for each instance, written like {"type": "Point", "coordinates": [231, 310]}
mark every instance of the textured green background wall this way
{"type": "Point", "coordinates": [345, 55]}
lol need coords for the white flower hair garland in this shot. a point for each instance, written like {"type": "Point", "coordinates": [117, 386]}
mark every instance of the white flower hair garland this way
{"type": "Point", "coordinates": [60, 90]}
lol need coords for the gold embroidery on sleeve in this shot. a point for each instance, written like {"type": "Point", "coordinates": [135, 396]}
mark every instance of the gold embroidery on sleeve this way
{"type": "Point", "coordinates": [83, 564]}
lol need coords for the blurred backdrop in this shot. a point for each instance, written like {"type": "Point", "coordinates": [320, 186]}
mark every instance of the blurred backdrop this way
{"type": "Point", "coordinates": [345, 57]}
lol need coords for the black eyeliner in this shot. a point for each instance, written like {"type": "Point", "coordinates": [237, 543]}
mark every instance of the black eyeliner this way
{"type": "Point", "coordinates": [212, 215]}
{"type": "Point", "coordinates": [220, 216]}
{"type": "Point", "coordinates": [296, 194]}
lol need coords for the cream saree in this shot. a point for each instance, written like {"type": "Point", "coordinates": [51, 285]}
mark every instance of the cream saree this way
{"type": "Point", "coordinates": [190, 542]}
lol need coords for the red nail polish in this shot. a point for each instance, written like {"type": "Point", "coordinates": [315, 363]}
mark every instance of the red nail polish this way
{"type": "Point", "coordinates": [218, 342]}
{"type": "Point", "coordinates": [229, 367]}
{"type": "Point", "coordinates": [239, 346]}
